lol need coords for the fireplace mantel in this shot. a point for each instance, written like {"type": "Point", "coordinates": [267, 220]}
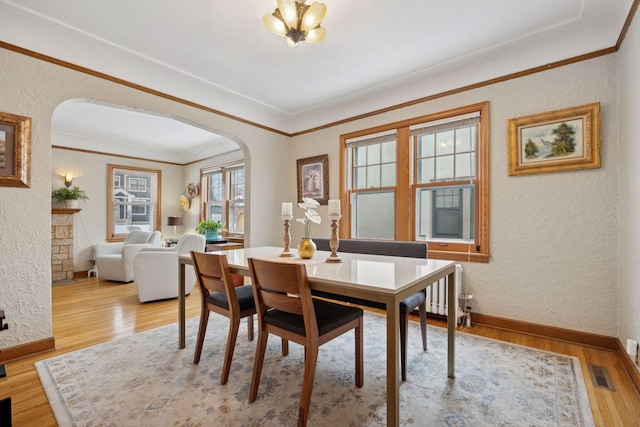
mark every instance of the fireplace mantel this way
{"type": "Point", "coordinates": [63, 211]}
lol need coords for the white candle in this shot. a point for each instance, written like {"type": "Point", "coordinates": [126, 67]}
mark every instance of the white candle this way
{"type": "Point", "coordinates": [334, 207]}
{"type": "Point", "coordinates": [287, 209]}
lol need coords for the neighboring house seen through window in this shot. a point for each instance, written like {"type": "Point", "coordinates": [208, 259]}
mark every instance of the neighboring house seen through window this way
{"type": "Point", "coordinates": [133, 200]}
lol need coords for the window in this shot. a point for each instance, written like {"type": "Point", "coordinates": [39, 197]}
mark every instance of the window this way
{"type": "Point", "coordinates": [423, 179]}
{"type": "Point", "coordinates": [223, 196]}
{"type": "Point", "coordinates": [133, 200]}
{"type": "Point", "coordinates": [374, 186]}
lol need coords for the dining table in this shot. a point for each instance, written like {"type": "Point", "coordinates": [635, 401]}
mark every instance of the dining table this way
{"type": "Point", "coordinates": [383, 279]}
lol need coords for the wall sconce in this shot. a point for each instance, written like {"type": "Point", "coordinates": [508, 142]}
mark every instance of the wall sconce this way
{"type": "Point", "coordinates": [68, 179]}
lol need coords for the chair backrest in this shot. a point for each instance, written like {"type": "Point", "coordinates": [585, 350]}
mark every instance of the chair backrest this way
{"type": "Point", "coordinates": [283, 286]}
{"type": "Point", "coordinates": [137, 237]}
{"type": "Point", "coordinates": [213, 274]}
{"type": "Point", "coordinates": [190, 242]}
{"type": "Point", "coordinates": [376, 247]}
{"type": "Point", "coordinates": [155, 239]}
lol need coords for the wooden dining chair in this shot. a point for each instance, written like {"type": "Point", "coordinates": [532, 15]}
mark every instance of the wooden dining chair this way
{"type": "Point", "coordinates": [413, 302]}
{"type": "Point", "coordinates": [286, 308]}
{"type": "Point", "coordinates": [220, 295]}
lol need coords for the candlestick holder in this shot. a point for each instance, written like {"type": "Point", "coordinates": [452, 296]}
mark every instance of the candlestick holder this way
{"type": "Point", "coordinates": [334, 242]}
{"type": "Point", "coordinates": [287, 236]}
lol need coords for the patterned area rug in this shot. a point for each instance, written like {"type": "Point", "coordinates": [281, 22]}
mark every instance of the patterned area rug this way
{"type": "Point", "coordinates": [144, 380]}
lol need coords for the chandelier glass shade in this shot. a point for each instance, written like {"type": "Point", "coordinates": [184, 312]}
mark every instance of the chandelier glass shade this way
{"type": "Point", "coordinates": [296, 21]}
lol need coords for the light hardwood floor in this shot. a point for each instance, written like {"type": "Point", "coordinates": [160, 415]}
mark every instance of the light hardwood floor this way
{"type": "Point", "coordinates": [92, 311]}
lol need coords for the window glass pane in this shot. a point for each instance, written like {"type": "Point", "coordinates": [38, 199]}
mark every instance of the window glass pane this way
{"type": "Point", "coordinates": [426, 170]}
{"type": "Point", "coordinates": [388, 175]}
{"type": "Point", "coordinates": [236, 191]}
{"type": "Point", "coordinates": [389, 152]}
{"type": "Point", "coordinates": [444, 168]}
{"type": "Point", "coordinates": [373, 153]}
{"type": "Point", "coordinates": [444, 142]}
{"type": "Point", "coordinates": [463, 139]}
{"type": "Point", "coordinates": [360, 156]}
{"type": "Point", "coordinates": [445, 213]}
{"type": "Point", "coordinates": [214, 212]}
{"type": "Point", "coordinates": [463, 166]}
{"type": "Point", "coordinates": [215, 187]}
{"type": "Point", "coordinates": [426, 145]}
{"type": "Point", "coordinates": [373, 215]}
{"type": "Point", "coordinates": [360, 178]}
{"type": "Point", "coordinates": [236, 217]}
{"type": "Point", "coordinates": [373, 176]}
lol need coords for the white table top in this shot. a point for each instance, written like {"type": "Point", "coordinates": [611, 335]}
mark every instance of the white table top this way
{"type": "Point", "coordinates": [382, 274]}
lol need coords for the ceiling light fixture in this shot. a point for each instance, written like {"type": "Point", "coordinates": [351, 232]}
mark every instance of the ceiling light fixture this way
{"type": "Point", "coordinates": [296, 21]}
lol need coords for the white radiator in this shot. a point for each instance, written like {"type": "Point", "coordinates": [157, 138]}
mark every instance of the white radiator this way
{"type": "Point", "coordinates": [437, 295]}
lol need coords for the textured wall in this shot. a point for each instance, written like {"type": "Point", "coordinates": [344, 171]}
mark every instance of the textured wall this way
{"type": "Point", "coordinates": [552, 236]}
{"type": "Point", "coordinates": [34, 88]}
{"type": "Point", "coordinates": [629, 201]}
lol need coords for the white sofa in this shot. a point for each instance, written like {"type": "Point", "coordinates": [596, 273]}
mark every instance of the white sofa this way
{"type": "Point", "coordinates": [156, 269]}
{"type": "Point", "coordinates": [114, 260]}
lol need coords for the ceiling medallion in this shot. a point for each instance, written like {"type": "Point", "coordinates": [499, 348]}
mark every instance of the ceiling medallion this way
{"type": "Point", "coordinates": [296, 21]}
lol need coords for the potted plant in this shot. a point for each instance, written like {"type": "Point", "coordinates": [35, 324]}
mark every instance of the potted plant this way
{"type": "Point", "coordinates": [69, 196]}
{"type": "Point", "coordinates": [210, 228]}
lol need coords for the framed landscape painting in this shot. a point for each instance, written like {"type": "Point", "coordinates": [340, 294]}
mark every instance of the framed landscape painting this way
{"type": "Point", "coordinates": [15, 150]}
{"type": "Point", "coordinates": [560, 140]}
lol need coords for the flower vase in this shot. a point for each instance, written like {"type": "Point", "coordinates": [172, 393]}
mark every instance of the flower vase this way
{"type": "Point", "coordinates": [212, 235]}
{"type": "Point", "coordinates": [306, 248]}
{"type": "Point", "coordinates": [71, 204]}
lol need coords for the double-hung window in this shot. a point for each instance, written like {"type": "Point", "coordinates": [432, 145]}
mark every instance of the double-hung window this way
{"type": "Point", "coordinates": [373, 192]}
{"type": "Point", "coordinates": [133, 200]}
{"type": "Point", "coordinates": [423, 179]}
{"type": "Point", "coordinates": [223, 196]}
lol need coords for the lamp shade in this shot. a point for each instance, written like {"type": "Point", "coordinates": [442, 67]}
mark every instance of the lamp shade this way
{"type": "Point", "coordinates": [174, 220]}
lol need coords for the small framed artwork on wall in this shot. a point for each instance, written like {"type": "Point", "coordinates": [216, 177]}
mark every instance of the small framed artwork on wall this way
{"type": "Point", "coordinates": [313, 178]}
{"type": "Point", "coordinates": [15, 151]}
{"type": "Point", "coordinates": [561, 140]}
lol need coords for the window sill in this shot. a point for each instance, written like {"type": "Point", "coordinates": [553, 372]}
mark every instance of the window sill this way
{"type": "Point", "coordinates": [459, 256]}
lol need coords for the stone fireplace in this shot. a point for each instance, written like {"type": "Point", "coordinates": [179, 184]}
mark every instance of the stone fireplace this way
{"type": "Point", "coordinates": [62, 244]}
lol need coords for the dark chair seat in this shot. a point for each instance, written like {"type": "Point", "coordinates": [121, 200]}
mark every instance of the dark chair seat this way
{"type": "Point", "coordinates": [243, 293]}
{"type": "Point", "coordinates": [409, 304]}
{"type": "Point", "coordinates": [329, 316]}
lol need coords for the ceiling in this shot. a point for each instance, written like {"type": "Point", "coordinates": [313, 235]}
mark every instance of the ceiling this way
{"type": "Point", "coordinates": [376, 54]}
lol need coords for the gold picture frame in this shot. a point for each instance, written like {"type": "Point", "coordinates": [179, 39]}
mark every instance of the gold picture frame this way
{"type": "Point", "coordinates": [559, 140]}
{"type": "Point", "coordinates": [313, 178]}
{"type": "Point", "coordinates": [15, 150]}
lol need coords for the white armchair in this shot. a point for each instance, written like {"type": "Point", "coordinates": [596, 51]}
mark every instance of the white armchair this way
{"type": "Point", "coordinates": [114, 260]}
{"type": "Point", "coordinates": [156, 269]}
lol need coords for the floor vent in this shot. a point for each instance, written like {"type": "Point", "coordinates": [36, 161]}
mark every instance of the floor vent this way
{"type": "Point", "coordinates": [600, 377]}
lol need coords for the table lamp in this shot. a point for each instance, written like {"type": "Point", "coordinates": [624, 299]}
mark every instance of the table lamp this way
{"type": "Point", "coordinates": [175, 221]}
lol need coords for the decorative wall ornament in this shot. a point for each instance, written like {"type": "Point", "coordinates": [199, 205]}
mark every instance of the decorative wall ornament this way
{"type": "Point", "coordinates": [185, 203]}
{"type": "Point", "coordinates": [560, 140]}
{"type": "Point", "coordinates": [193, 189]}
